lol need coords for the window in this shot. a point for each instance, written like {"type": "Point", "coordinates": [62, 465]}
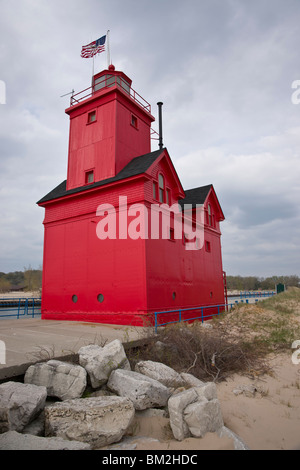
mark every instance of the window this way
{"type": "Point", "coordinates": [161, 183]}
{"type": "Point", "coordinates": [154, 190]}
{"type": "Point", "coordinates": [100, 298]}
{"type": "Point", "coordinates": [209, 215]}
{"type": "Point", "coordinates": [74, 298]}
{"type": "Point", "coordinates": [89, 177]}
{"type": "Point", "coordinates": [91, 117]}
{"type": "Point", "coordinates": [134, 121]}
{"type": "Point", "coordinates": [207, 246]}
{"type": "Point", "coordinates": [168, 197]}
{"type": "Point", "coordinates": [171, 234]}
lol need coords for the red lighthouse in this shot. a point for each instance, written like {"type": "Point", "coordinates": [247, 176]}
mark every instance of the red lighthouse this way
{"type": "Point", "coordinates": [105, 260]}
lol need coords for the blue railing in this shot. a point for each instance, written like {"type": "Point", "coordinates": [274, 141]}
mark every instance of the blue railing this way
{"type": "Point", "coordinates": [181, 315]}
{"type": "Point", "coordinates": [244, 294]}
{"type": "Point", "coordinates": [20, 307]}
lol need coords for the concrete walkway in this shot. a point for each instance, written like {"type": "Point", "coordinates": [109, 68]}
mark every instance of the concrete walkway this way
{"type": "Point", "coordinates": [30, 340]}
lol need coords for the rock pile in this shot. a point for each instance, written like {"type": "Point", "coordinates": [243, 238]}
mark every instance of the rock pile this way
{"type": "Point", "coordinates": [29, 420]}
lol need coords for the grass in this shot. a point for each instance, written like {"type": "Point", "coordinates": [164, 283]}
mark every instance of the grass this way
{"type": "Point", "coordinates": [270, 325]}
{"type": "Point", "coordinates": [236, 341]}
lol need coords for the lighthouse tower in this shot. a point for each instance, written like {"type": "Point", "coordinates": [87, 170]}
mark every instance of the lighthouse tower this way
{"type": "Point", "coordinates": [121, 279]}
{"type": "Point", "coordinates": [107, 129]}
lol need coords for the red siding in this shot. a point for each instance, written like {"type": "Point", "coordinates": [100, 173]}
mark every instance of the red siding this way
{"type": "Point", "coordinates": [134, 277]}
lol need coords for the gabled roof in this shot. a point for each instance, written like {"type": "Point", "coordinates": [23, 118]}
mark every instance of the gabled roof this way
{"type": "Point", "coordinates": [196, 195]}
{"type": "Point", "coordinates": [136, 166]}
{"type": "Point", "coordinates": [199, 196]}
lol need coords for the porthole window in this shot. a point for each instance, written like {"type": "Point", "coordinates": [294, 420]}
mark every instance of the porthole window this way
{"type": "Point", "coordinates": [74, 298]}
{"type": "Point", "coordinates": [174, 295]}
{"type": "Point", "coordinates": [100, 298]}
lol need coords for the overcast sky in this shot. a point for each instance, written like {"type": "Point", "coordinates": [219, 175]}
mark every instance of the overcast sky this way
{"type": "Point", "coordinates": [224, 70]}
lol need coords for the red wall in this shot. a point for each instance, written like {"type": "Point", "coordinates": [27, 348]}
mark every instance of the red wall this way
{"type": "Point", "coordinates": [107, 144]}
{"type": "Point", "coordinates": [135, 277]}
{"type": "Point", "coordinates": [77, 262]}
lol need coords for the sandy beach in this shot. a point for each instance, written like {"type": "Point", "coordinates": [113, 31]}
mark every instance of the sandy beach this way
{"type": "Point", "coordinates": [264, 412]}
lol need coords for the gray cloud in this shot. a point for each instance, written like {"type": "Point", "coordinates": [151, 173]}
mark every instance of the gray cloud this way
{"type": "Point", "coordinates": [224, 71]}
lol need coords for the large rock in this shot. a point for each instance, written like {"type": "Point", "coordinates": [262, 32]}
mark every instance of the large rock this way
{"type": "Point", "coordinates": [195, 412]}
{"type": "Point", "coordinates": [203, 416]}
{"type": "Point", "coordinates": [99, 361]}
{"type": "Point", "coordinates": [97, 421]}
{"type": "Point", "coordinates": [62, 380]}
{"type": "Point", "coordinates": [190, 380]}
{"type": "Point", "coordinates": [20, 404]}
{"type": "Point", "coordinates": [143, 391]}
{"type": "Point", "coordinates": [12, 440]}
{"type": "Point", "coordinates": [161, 372]}
{"type": "Point", "coordinates": [176, 406]}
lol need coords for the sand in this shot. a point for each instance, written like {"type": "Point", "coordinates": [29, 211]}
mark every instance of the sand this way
{"type": "Point", "coordinates": [266, 415]}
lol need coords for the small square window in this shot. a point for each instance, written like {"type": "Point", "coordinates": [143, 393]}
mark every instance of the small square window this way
{"type": "Point", "coordinates": [91, 117]}
{"type": "Point", "coordinates": [134, 121]}
{"type": "Point", "coordinates": [207, 246]}
{"type": "Point", "coordinates": [89, 177]}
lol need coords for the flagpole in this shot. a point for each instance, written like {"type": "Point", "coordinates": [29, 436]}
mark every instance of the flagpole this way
{"type": "Point", "coordinates": [108, 49]}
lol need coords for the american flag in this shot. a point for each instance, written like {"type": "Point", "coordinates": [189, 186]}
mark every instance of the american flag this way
{"type": "Point", "coordinates": [93, 48]}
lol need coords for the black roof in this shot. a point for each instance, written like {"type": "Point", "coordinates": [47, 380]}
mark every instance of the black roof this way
{"type": "Point", "coordinates": [196, 195]}
{"type": "Point", "coordinates": [136, 166]}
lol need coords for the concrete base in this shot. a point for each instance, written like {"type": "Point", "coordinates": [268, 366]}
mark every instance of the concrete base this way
{"type": "Point", "coordinates": [30, 340]}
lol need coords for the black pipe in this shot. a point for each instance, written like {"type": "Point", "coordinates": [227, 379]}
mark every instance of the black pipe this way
{"type": "Point", "coordinates": [159, 104]}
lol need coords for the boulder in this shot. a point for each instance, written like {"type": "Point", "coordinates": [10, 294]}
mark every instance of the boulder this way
{"type": "Point", "coordinates": [176, 406]}
{"type": "Point", "coordinates": [143, 391]}
{"type": "Point", "coordinates": [159, 371]}
{"type": "Point", "coordinates": [203, 416]}
{"type": "Point", "coordinates": [190, 380]}
{"type": "Point", "coordinates": [62, 380]}
{"type": "Point", "coordinates": [99, 361]}
{"type": "Point", "coordinates": [20, 404]}
{"type": "Point", "coordinates": [13, 440]}
{"type": "Point", "coordinates": [195, 411]}
{"type": "Point", "coordinates": [97, 421]}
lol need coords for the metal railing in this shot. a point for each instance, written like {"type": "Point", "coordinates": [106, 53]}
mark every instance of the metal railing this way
{"type": "Point", "coordinates": [181, 314]}
{"type": "Point", "coordinates": [109, 82]}
{"type": "Point", "coordinates": [245, 294]}
{"type": "Point", "coordinates": [20, 307]}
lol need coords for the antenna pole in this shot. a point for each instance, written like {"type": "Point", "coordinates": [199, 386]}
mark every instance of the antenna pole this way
{"type": "Point", "coordinates": [108, 49]}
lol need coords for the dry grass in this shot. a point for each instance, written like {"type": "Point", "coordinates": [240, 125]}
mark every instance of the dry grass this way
{"type": "Point", "coordinates": [237, 341]}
